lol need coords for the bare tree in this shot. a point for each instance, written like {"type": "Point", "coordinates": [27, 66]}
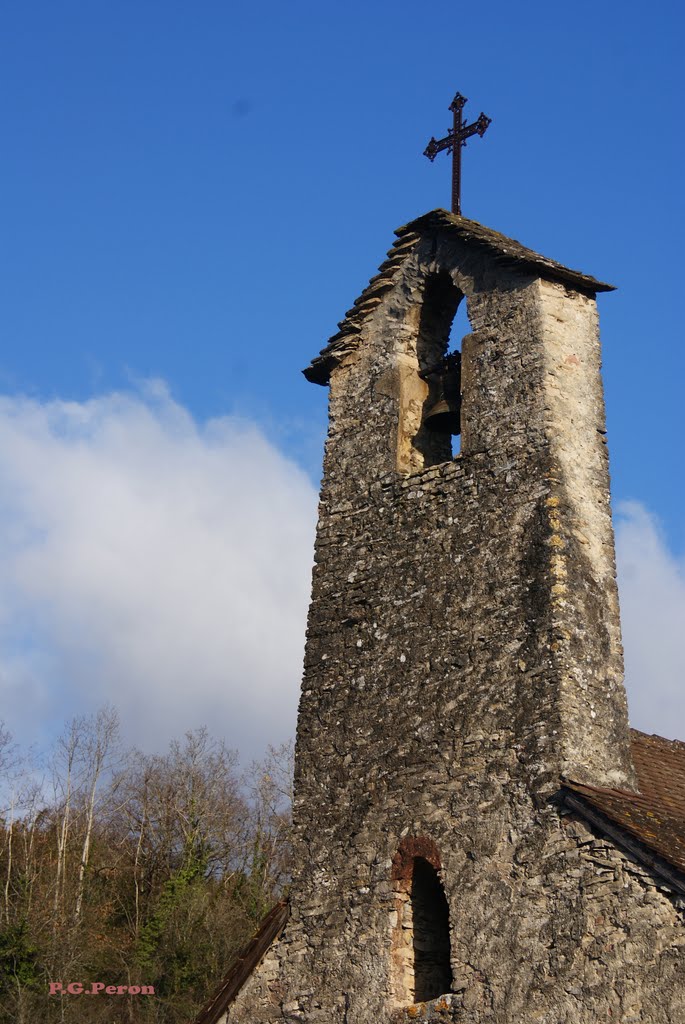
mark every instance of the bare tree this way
{"type": "Point", "coordinates": [100, 740]}
{"type": "Point", "coordinates": [156, 868]}
{"type": "Point", "coordinates": [64, 767]}
{"type": "Point", "coordinates": [270, 783]}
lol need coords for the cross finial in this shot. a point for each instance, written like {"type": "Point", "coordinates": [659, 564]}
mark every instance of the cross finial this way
{"type": "Point", "coordinates": [456, 138]}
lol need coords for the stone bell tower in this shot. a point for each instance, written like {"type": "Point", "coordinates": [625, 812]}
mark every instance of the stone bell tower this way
{"type": "Point", "coordinates": [463, 653]}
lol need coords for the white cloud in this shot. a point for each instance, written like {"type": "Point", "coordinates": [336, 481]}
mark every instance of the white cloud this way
{"type": "Point", "coordinates": [164, 565]}
{"type": "Point", "coordinates": [652, 592]}
{"type": "Point", "coordinates": [154, 562]}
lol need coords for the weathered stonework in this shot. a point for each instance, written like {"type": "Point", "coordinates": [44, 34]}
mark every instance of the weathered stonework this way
{"type": "Point", "coordinates": [463, 657]}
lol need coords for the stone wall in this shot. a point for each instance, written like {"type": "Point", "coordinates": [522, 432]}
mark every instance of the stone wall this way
{"type": "Point", "coordinates": [463, 654]}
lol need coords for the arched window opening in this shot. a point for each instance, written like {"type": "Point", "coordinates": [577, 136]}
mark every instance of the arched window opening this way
{"type": "Point", "coordinates": [431, 938]}
{"type": "Point", "coordinates": [421, 966]}
{"type": "Point", "coordinates": [439, 366]}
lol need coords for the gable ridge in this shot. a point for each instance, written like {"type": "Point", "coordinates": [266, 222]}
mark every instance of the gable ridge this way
{"type": "Point", "coordinates": [498, 247]}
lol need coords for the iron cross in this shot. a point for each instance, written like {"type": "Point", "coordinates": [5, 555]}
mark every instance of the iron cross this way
{"type": "Point", "coordinates": [454, 140]}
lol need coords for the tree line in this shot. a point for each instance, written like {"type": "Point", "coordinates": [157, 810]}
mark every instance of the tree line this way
{"type": "Point", "coordinates": [133, 869]}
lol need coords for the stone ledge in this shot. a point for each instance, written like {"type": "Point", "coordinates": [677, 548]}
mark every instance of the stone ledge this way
{"type": "Point", "coordinates": [440, 1009]}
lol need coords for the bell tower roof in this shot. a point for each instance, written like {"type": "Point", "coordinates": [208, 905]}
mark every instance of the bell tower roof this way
{"type": "Point", "coordinates": [491, 245]}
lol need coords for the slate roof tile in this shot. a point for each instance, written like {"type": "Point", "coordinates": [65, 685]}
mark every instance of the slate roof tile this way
{"type": "Point", "coordinates": [656, 814]}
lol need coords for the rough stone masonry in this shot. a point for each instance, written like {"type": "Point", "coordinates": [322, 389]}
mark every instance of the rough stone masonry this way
{"type": "Point", "coordinates": [463, 663]}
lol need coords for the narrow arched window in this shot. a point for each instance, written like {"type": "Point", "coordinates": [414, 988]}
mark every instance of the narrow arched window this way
{"type": "Point", "coordinates": [431, 933]}
{"type": "Point", "coordinates": [420, 950]}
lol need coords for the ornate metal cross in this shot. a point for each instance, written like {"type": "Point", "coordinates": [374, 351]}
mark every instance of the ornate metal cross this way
{"type": "Point", "coordinates": [454, 140]}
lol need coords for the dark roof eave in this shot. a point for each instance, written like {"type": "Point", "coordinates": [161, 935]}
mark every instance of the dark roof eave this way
{"type": "Point", "coordinates": [319, 370]}
{"type": "Point", "coordinates": [245, 964]}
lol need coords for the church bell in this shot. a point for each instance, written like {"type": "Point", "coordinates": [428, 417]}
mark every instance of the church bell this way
{"type": "Point", "coordinates": [443, 410]}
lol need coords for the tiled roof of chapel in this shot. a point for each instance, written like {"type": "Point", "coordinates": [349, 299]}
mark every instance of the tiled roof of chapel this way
{"type": "Point", "coordinates": [655, 815]}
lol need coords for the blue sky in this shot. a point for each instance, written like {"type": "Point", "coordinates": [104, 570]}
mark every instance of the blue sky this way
{"type": "Point", "coordinates": [195, 193]}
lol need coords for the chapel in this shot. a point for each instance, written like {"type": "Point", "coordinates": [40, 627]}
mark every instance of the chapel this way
{"type": "Point", "coordinates": [479, 835]}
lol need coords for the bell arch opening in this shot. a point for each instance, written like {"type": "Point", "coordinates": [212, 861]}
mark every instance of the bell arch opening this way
{"type": "Point", "coordinates": [438, 357]}
{"type": "Point", "coordinates": [421, 952]}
